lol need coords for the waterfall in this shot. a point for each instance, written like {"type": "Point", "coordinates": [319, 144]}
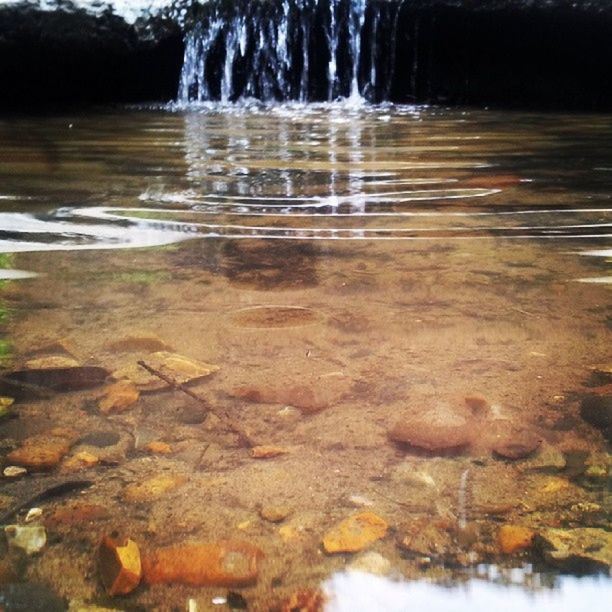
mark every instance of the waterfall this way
{"type": "Point", "coordinates": [277, 50]}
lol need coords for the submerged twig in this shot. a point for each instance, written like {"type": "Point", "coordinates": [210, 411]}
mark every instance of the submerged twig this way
{"type": "Point", "coordinates": [222, 415]}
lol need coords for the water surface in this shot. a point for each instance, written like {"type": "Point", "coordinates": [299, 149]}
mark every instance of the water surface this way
{"type": "Point", "coordinates": [386, 262]}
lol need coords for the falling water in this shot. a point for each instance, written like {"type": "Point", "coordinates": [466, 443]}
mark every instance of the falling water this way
{"type": "Point", "coordinates": [278, 50]}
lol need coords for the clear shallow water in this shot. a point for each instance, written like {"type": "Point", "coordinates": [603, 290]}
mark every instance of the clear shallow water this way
{"type": "Point", "coordinates": [391, 260]}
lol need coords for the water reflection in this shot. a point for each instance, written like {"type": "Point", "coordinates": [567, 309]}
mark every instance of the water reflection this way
{"type": "Point", "coordinates": [326, 172]}
{"type": "Point", "coordinates": [355, 591]}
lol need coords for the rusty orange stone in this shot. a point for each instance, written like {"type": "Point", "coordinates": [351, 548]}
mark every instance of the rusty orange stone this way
{"type": "Point", "coordinates": [229, 563]}
{"type": "Point", "coordinates": [355, 533]}
{"type": "Point", "coordinates": [119, 397]}
{"type": "Point", "coordinates": [514, 538]}
{"type": "Point", "coordinates": [39, 453]}
{"type": "Point", "coordinates": [119, 565]}
{"type": "Point", "coordinates": [266, 452]}
{"type": "Point", "coordinates": [159, 448]}
{"type": "Point", "coordinates": [152, 488]}
{"type": "Point", "coordinates": [80, 461]}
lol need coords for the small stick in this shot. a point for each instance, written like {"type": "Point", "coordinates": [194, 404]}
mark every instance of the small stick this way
{"type": "Point", "coordinates": [222, 415]}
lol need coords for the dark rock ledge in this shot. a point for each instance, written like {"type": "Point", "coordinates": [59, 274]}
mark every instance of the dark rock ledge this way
{"type": "Point", "coordinates": [544, 54]}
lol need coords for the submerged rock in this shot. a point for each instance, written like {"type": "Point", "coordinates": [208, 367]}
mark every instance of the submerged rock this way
{"type": "Point", "coordinates": [582, 548]}
{"type": "Point", "coordinates": [275, 514]}
{"type": "Point", "coordinates": [267, 452]}
{"type": "Point", "coordinates": [30, 382]}
{"type": "Point", "coordinates": [80, 461]}
{"type": "Point", "coordinates": [28, 538]}
{"type": "Point", "coordinates": [152, 488]}
{"type": "Point", "coordinates": [308, 398]}
{"type": "Point", "coordinates": [425, 540]}
{"type": "Point", "coordinates": [119, 565]}
{"type": "Point", "coordinates": [119, 397]}
{"type": "Point", "coordinates": [514, 538]}
{"type": "Point", "coordinates": [137, 344]}
{"type": "Point", "coordinates": [230, 563]}
{"type": "Point", "coordinates": [43, 452]}
{"type": "Point", "coordinates": [355, 533]}
{"type": "Point", "coordinates": [438, 430]}
{"type": "Point", "coordinates": [516, 444]}
{"type": "Point", "coordinates": [179, 368]}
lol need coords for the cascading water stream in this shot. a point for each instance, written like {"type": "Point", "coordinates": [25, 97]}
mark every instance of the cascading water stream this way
{"type": "Point", "coordinates": [279, 50]}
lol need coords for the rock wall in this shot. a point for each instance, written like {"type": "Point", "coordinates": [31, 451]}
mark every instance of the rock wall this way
{"type": "Point", "coordinates": [511, 53]}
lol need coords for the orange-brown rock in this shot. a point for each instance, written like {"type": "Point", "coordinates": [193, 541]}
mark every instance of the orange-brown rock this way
{"type": "Point", "coordinates": [266, 452]}
{"type": "Point", "coordinates": [119, 565]}
{"type": "Point", "coordinates": [159, 448]}
{"type": "Point", "coordinates": [441, 429]}
{"type": "Point", "coordinates": [80, 461]}
{"type": "Point", "coordinates": [152, 488]}
{"type": "Point", "coordinates": [76, 513]}
{"type": "Point", "coordinates": [119, 397]}
{"type": "Point", "coordinates": [230, 563]}
{"type": "Point", "coordinates": [355, 533]}
{"type": "Point", "coordinates": [307, 398]}
{"type": "Point", "coordinates": [514, 538]}
{"type": "Point", "coordinates": [305, 600]}
{"type": "Point", "coordinates": [44, 451]}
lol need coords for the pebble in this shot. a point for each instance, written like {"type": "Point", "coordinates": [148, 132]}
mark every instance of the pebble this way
{"type": "Point", "coordinates": [516, 444]}
{"type": "Point", "coordinates": [75, 514]}
{"type": "Point", "coordinates": [181, 369]}
{"type": "Point", "coordinates": [193, 414]}
{"type": "Point", "coordinates": [33, 515]}
{"type": "Point", "coordinates": [80, 461]}
{"type": "Point", "coordinates": [147, 343]}
{"type": "Point", "coordinates": [355, 533]}
{"type": "Point", "coordinates": [158, 448]}
{"type": "Point", "coordinates": [119, 397]}
{"type": "Point", "coordinates": [267, 452]}
{"type": "Point", "coordinates": [426, 540]}
{"type": "Point", "coordinates": [230, 563]}
{"type": "Point", "coordinates": [119, 565]}
{"type": "Point", "coordinates": [514, 538]}
{"type": "Point", "coordinates": [441, 429]}
{"type": "Point", "coordinates": [51, 361]}
{"type": "Point", "coordinates": [29, 538]}
{"type": "Point", "coordinates": [45, 451]}
{"type": "Point", "coordinates": [14, 471]}
{"type": "Point", "coordinates": [275, 514]}
{"type": "Point", "coordinates": [566, 547]}
{"type": "Point", "coordinates": [308, 399]}
{"type": "Point", "coordinates": [152, 488]}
